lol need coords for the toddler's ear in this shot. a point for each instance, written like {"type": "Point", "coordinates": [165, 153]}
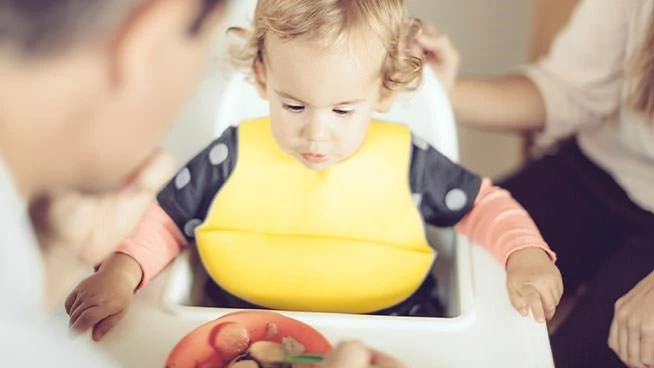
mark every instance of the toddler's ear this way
{"type": "Point", "coordinates": [386, 99]}
{"type": "Point", "coordinates": [260, 78]}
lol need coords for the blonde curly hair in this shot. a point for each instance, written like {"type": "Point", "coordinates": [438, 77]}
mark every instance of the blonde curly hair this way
{"type": "Point", "coordinates": [328, 22]}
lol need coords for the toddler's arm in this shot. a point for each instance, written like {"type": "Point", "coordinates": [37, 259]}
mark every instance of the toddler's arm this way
{"type": "Point", "coordinates": [498, 223]}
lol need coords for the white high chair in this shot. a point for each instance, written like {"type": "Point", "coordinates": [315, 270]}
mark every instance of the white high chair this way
{"type": "Point", "coordinates": [427, 111]}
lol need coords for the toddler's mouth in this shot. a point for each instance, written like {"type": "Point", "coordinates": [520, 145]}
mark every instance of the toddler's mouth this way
{"type": "Point", "coordinates": [314, 158]}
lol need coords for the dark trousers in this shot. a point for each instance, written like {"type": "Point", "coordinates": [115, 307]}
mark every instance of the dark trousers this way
{"type": "Point", "coordinates": [604, 243]}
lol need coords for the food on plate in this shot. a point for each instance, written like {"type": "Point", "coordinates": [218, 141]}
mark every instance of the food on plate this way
{"type": "Point", "coordinates": [256, 339]}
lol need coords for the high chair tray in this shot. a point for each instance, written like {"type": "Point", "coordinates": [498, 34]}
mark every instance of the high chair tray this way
{"type": "Point", "coordinates": [482, 331]}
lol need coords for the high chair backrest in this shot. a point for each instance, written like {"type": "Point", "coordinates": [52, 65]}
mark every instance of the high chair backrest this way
{"type": "Point", "coordinates": [426, 110]}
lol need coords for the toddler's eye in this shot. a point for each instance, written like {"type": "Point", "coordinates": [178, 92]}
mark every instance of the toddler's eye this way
{"type": "Point", "coordinates": [342, 111]}
{"type": "Point", "coordinates": [293, 108]}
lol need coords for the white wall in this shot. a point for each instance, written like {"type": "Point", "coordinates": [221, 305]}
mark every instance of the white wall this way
{"type": "Point", "coordinates": [491, 36]}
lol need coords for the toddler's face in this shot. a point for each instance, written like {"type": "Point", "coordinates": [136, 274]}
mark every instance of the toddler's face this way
{"type": "Point", "coordinates": [322, 98]}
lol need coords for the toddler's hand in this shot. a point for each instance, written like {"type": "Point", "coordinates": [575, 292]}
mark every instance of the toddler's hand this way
{"type": "Point", "coordinates": [102, 299]}
{"type": "Point", "coordinates": [440, 54]}
{"type": "Point", "coordinates": [79, 230]}
{"type": "Point", "coordinates": [534, 282]}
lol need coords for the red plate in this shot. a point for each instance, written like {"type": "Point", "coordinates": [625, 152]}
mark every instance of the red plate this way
{"type": "Point", "coordinates": [214, 343]}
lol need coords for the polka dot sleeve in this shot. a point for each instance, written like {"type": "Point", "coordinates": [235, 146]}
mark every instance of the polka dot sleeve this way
{"type": "Point", "coordinates": [188, 196]}
{"type": "Point", "coordinates": [443, 191]}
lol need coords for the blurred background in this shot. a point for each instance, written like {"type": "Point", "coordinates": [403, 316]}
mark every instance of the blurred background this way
{"type": "Point", "coordinates": [493, 37]}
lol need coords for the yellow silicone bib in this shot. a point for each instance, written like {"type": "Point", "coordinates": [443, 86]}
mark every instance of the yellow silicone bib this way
{"type": "Point", "coordinates": [345, 239]}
